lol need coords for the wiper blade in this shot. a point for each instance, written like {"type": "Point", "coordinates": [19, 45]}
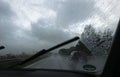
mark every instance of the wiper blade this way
{"type": "Point", "coordinates": [42, 52]}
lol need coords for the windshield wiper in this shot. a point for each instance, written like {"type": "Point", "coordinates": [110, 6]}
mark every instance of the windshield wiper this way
{"type": "Point", "coordinates": [42, 52]}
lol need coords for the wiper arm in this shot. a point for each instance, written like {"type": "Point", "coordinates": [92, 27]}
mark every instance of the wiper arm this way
{"type": "Point", "coordinates": [42, 52]}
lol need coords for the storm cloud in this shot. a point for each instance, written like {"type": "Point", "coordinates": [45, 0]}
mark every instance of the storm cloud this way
{"type": "Point", "coordinates": [5, 10]}
{"type": "Point", "coordinates": [49, 34]}
{"type": "Point", "coordinates": [7, 27]}
{"type": "Point", "coordinates": [28, 25]}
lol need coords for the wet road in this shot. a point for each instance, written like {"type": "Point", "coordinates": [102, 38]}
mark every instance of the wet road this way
{"type": "Point", "coordinates": [57, 61]}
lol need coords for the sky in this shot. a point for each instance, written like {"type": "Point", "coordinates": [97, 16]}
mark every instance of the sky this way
{"type": "Point", "coordinates": [32, 25]}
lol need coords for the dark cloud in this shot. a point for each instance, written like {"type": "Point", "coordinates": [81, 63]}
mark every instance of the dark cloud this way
{"type": "Point", "coordinates": [7, 27]}
{"type": "Point", "coordinates": [49, 34]}
{"type": "Point", "coordinates": [42, 34]}
{"type": "Point", "coordinates": [6, 24]}
{"type": "Point", "coordinates": [5, 10]}
{"type": "Point", "coordinates": [72, 11]}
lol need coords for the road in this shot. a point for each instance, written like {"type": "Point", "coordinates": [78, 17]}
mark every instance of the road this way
{"type": "Point", "coordinates": [57, 61]}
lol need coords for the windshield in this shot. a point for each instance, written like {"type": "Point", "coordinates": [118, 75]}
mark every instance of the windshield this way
{"type": "Point", "coordinates": [28, 26]}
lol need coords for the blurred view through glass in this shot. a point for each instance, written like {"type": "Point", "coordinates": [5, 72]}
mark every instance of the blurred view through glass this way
{"type": "Point", "coordinates": [28, 26]}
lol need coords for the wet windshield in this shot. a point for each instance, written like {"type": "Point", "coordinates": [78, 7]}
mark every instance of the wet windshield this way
{"type": "Point", "coordinates": [28, 26]}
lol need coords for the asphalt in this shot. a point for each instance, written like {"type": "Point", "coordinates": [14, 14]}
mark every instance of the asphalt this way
{"type": "Point", "coordinates": [57, 61]}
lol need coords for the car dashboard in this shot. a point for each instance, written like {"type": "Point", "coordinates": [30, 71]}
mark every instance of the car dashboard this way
{"type": "Point", "coordinates": [43, 73]}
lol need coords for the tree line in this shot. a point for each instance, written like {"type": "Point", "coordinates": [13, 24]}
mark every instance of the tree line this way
{"type": "Point", "coordinates": [97, 42]}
